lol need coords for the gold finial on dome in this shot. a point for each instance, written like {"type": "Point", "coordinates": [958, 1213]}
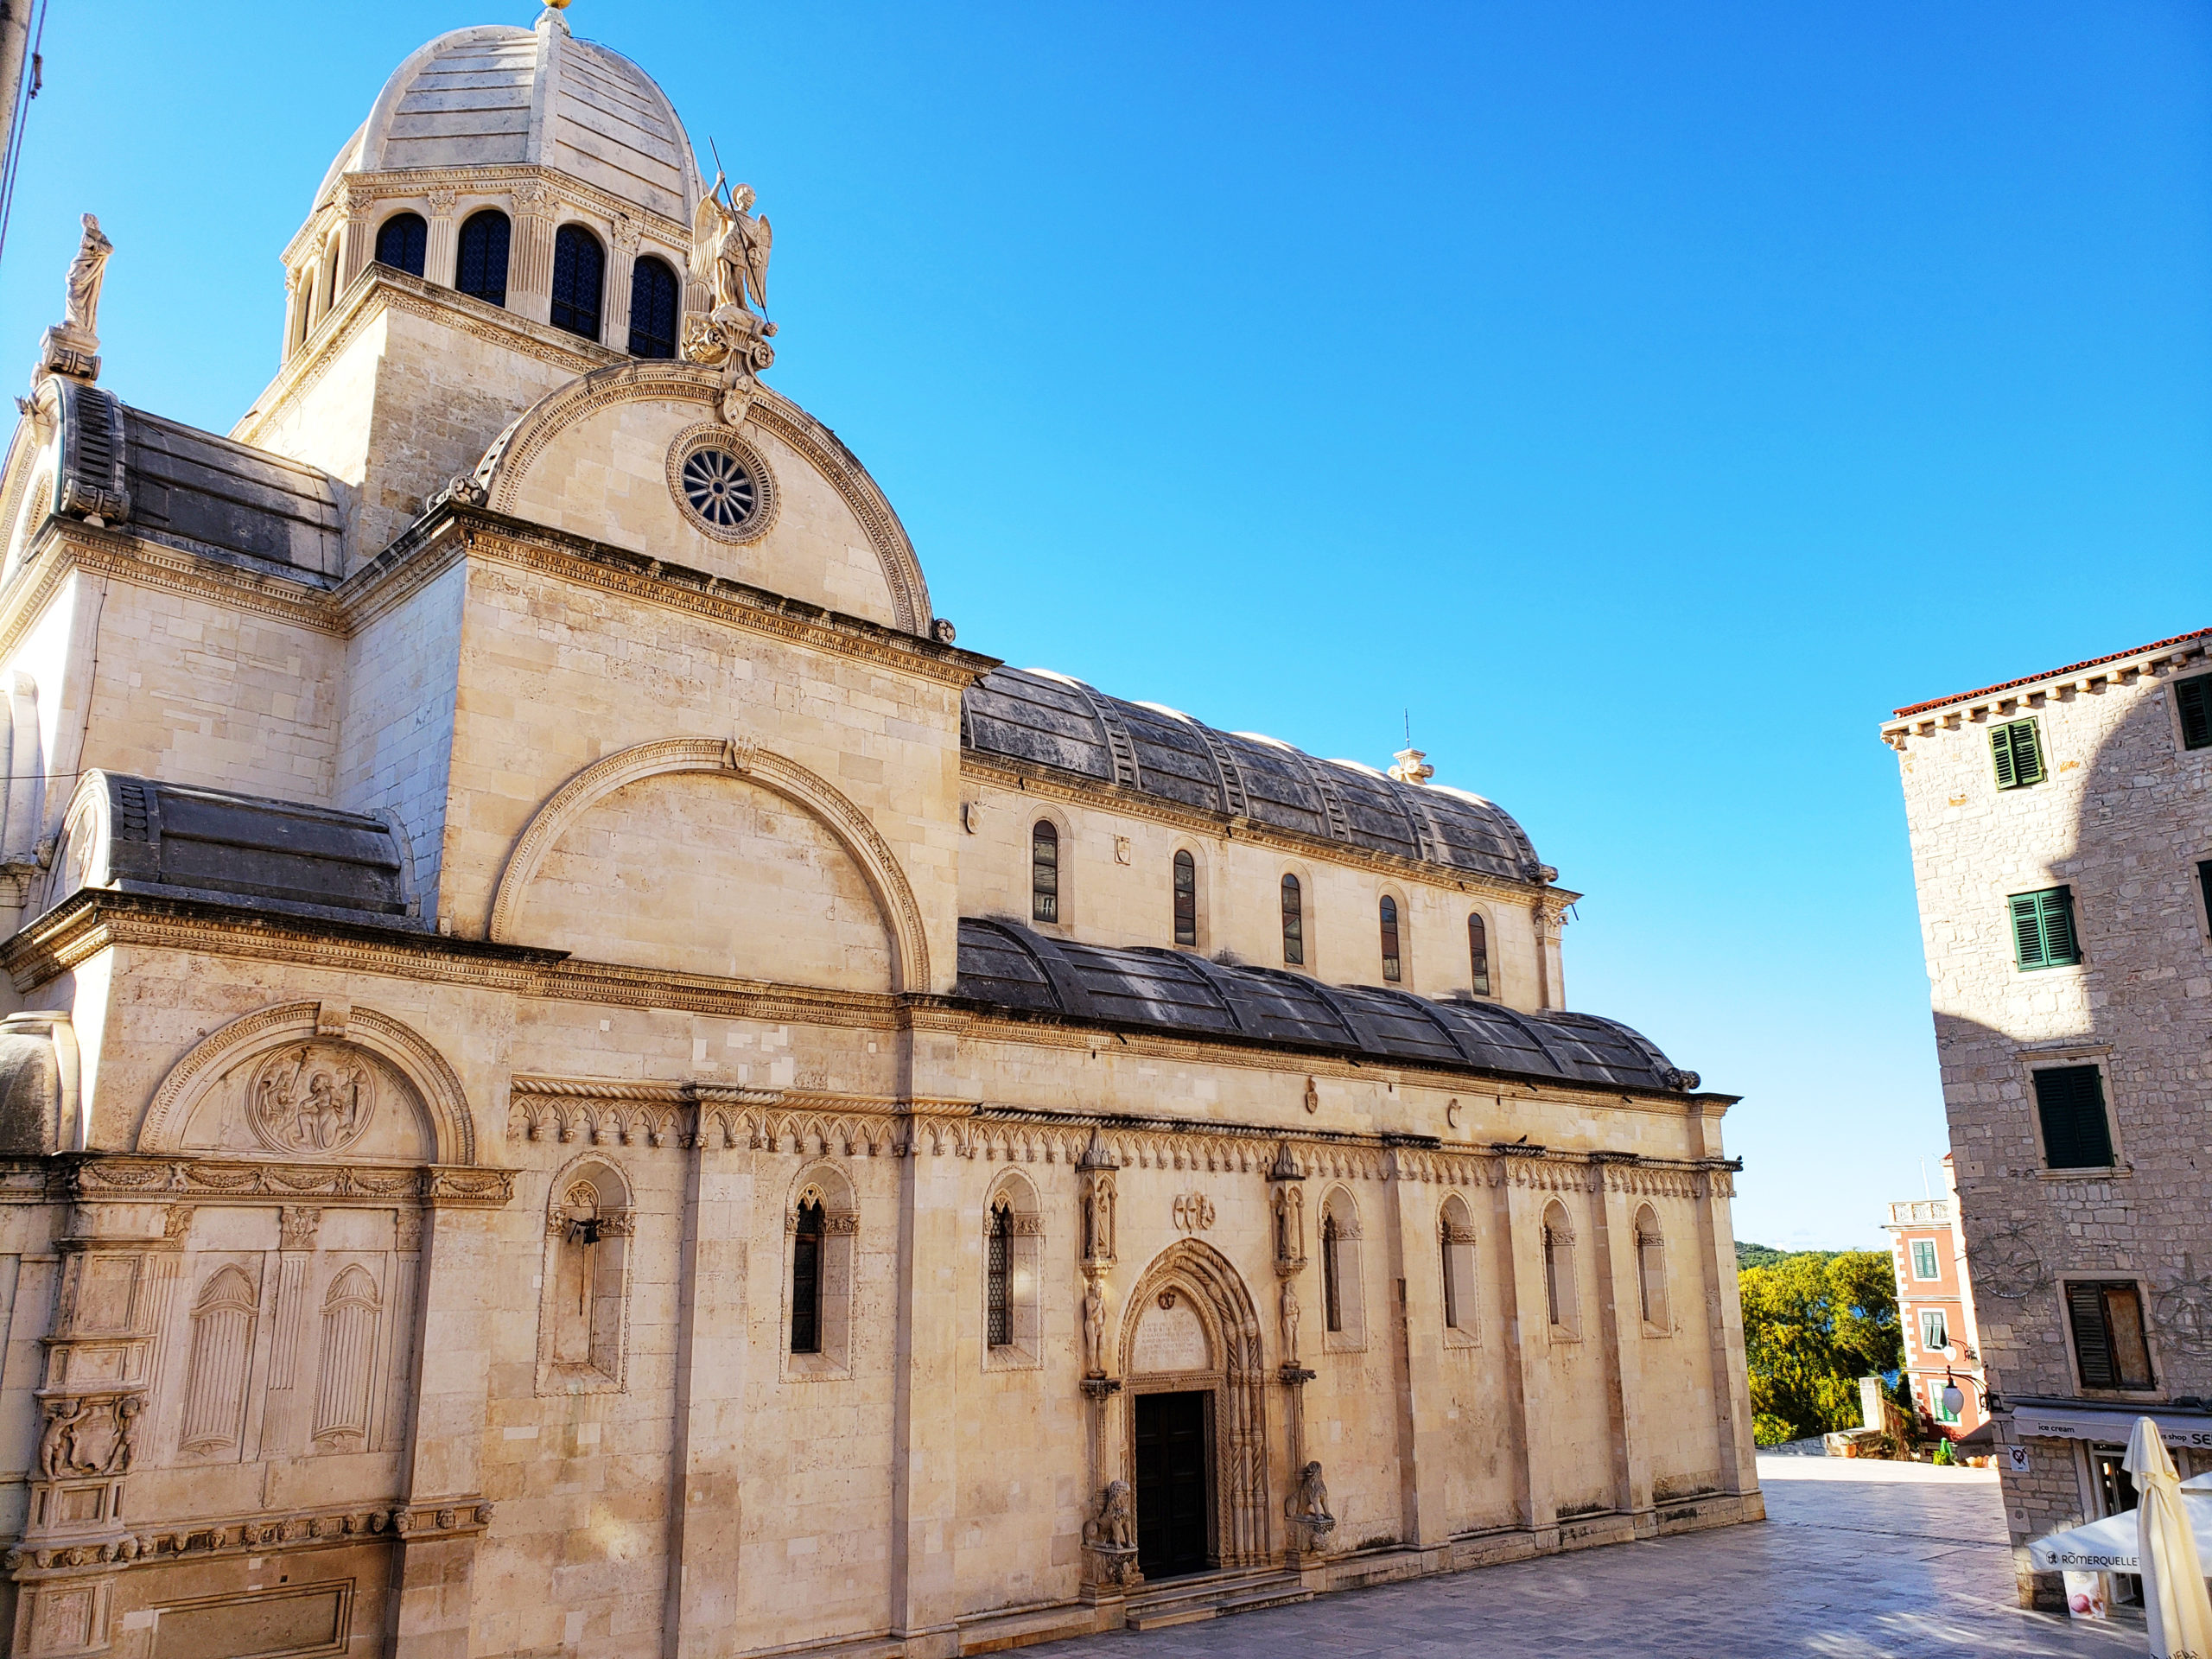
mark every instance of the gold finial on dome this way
{"type": "Point", "coordinates": [555, 15]}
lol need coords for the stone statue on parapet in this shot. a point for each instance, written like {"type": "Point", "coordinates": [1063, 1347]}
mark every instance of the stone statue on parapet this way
{"type": "Point", "coordinates": [71, 347]}
{"type": "Point", "coordinates": [730, 254]}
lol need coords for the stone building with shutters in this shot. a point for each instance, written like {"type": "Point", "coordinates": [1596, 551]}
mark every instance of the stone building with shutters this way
{"type": "Point", "coordinates": [2062, 843]}
{"type": "Point", "coordinates": [582, 1080]}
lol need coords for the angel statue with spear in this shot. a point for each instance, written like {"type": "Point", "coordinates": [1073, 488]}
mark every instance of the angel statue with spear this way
{"type": "Point", "coordinates": [729, 253]}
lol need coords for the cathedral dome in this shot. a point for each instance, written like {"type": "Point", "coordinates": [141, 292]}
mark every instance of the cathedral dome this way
{"type": "Point", "coordinates": [500, 96]}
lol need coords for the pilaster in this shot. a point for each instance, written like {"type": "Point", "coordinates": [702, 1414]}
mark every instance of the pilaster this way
{"type": "Point", "coordinates": [1416, 1277]}
{"type": "Point", "coordinates": [924, 1480]}
{"type": "Point", "coordinates": [1621, 1326]}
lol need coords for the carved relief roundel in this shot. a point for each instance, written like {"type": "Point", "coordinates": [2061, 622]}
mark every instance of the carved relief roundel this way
{"type": "Point", "coordinates": [311, 1097]}
{"type": "Point", "coordinates": [720, 483]}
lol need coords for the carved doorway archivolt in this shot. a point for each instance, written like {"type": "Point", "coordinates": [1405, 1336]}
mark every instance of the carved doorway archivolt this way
{"type": "Point", "coordinates": [1203, 1335]}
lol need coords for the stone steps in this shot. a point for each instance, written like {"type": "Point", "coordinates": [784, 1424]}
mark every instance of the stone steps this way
{"type": "Point", "coordinates": [1214, 1595]}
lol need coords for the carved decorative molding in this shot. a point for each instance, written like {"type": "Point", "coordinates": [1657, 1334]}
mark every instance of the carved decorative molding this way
{"type": "Point", "coordinates": [509, 460]}
{"type": "Point", "coordinates": [160, 1543]}
{"type": "Point", "coordinates": [879, 864]}
{"type": "Point", "coordinates": [129, 1176]}
{"type": "Point", "coordinates": [216, 1054]}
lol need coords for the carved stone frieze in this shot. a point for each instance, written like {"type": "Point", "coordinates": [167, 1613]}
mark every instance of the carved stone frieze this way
{"type": "Point", "coordinates": [126, 1176]}
{"type": "Point", "coordinates": [154, 1543]}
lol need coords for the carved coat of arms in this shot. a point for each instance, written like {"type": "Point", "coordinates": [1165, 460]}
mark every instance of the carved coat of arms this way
{"type": "Point", "coordinates": [315, 1097]}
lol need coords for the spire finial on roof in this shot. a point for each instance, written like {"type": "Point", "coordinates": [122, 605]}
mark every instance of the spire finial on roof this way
{"type": "Point", "coordinates": [1410, 768]}
{"type": "Point", "coordinates": [552, 14]}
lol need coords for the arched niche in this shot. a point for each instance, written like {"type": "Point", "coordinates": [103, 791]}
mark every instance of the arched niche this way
{"type": "Point", "coordinates": [555, 889]}
{"type": "Point", "coordinates": [311, 1081]}
{"type": "Point", "coordinates": [597, 458]}
{"type": "Point", "coordinates": [1197, 1277]}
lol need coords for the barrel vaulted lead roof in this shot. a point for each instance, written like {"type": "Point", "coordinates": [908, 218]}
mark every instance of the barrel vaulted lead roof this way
{"type": "Point", "coordinates": [1174, 991]}
{"type": "Point", "coordinates": [1047, 720]}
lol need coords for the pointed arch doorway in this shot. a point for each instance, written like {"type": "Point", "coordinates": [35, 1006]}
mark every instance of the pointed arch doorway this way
{"type": "Point", "coordinates": [1196, 1429]}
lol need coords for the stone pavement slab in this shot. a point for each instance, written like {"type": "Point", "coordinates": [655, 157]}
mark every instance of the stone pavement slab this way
{"type": "Point", "coordinates": [1857, 1560]}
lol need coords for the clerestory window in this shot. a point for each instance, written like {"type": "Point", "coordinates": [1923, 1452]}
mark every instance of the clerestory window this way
{"type": "Point", "coordinates": [481, 270]}
{"type": "Point", "coordinates": [1186, 900]}
{"type": "Point", "coordinates": [402, 242]}
{"type": "Point", "coordinates": [1045, 872]}
{"type": "Point", "coordinates": [579, 279]}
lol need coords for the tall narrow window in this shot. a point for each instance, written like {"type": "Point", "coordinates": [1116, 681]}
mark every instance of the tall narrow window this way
{"type": "Point", "coordinates": [1332, 1299]}
{"type": "Point", "coordinates": [2042, 929]}
{"type": "Point", "coordinates": [401, 242]}
{"type": "Point", "coordinates": [2109, 1345]}
{"type": "Point", "coordinates": [806, 1278]}
{"type": "Point", "coordinates": [1651, 1269]}
{"type": "Point", "coordinates": [1934, 1331]}
{"type": "Point", "coordinates": [1390, 964]}
{"type": "Point", "coordinates": [653, 308]}
{"type": "Point", "coordinates": [2070, 1107]}
{"type": "Point", "coordinates": [579, 279]}
{"type": "Point", "coordinates": [1045, 872]}
{"type": "Point", "coordinates": [1293, 922]}
{"type": "Point", "coordinates": [2204, 885]}
{"type": "Point", "coordinates": [1000, 1267]}
{"type": "Point", "coordinates": [1186, 900]}
{"type": "Point", "coordinates": [481, 270]}
{"type": "Point", "coordinates": [1479, 953]}
{"type": "Point", "coordinates": [1559, 1270]}
{"type": "Point", "coordinates": [2016, 753]}
{"type": "Point", "coordinates": [1451, 1275]}
{"type": "Point", "coordinates": [2193, 702]}
{"type": "Point", "coordinates": [1924, 1262]}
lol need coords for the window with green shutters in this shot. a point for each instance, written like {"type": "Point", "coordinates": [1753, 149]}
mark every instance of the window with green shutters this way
{"type": "Point", "coordinates": [2017, 752]}
{"type": "Point", "coordinates": [2070, 1105]}
{"type": "Point", "coordinates": [2193, 702]}
{"type": "Point", "coordinates": [2042, 929]}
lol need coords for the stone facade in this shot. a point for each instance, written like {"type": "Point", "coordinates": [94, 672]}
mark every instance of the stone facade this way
{"type": "Point", "coordinates": [542, 1116]}
{"type": "Point", "coordinates": [2072, 1030]}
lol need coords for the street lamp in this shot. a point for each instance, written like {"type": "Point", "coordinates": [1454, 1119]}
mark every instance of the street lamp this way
{"type": "Point", "coordinates": [1954, 1398]}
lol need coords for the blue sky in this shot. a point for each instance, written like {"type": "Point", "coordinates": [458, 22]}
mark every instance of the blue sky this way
{"type": "Point", "coordinates": [1649, 398]}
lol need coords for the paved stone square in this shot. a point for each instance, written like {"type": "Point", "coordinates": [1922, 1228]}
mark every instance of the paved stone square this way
{"type": "Point", "coordinates": [1858, 1560]}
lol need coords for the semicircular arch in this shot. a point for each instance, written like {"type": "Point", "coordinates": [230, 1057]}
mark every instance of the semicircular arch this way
{"type": "Point", "coordinates": [444, 1102]}
{"type": "Point", "coordinates": [878, 865]}
{"type": "Point", "coordinates": [506, 466]}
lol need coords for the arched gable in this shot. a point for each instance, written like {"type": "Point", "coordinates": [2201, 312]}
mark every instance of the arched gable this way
{"type": "Point", "coordinates": [847, 823]}
{"type": "Point", "coordinates": [223, 1070]}
{"type": "Point", "coordinates": [597, 456]}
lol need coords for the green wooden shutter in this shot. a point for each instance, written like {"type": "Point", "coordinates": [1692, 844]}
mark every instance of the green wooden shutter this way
{"type": "Point", "coordinates": [2070, 1105]}
{"type": "Point", "coordinates": [2027, 930]}
{"type": "Point", "coordinates": [2085, 1312]}
{"type": "Point", "coordinates": [2016, 751]}
{"type": "Point", "coordinates": [2193, 700]}
{"type": "Point", "coordinates": [2059, 944]}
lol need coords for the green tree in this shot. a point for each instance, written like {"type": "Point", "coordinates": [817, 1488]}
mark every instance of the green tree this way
{"type": "Point", "coordinates": [1815, 1324]}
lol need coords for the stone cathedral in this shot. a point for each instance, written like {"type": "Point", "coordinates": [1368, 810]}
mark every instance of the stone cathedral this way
{"type": "Point", "coordinates": [584, 1081]}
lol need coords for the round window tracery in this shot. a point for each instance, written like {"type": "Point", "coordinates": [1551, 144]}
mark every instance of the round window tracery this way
{"type": "Point", "coordinates": [719, 488]}
{"type": "Point", "coordinates": [721, 484]}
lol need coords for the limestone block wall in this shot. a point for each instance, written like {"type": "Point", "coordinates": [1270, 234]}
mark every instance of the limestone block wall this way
{"type": "Point", "coordinates": [552, 680]}
{"type": "Point", "coordinates": [406, 387]}
{"type": "Point", "coordinates": [1116, 888]}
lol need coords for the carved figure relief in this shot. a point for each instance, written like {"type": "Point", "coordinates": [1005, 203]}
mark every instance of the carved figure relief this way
{"type": "Point", "coordinates": [1290, 1317]}
{"type": "Point", "coordinates": [1111, 1535]}
{"type": "Point", "coordinates": [1290, 1225]}
{"type": "Point", "coordinates": [315, 1097]}
{"type": "Point", "coordinates": [1099, 1216]}
{"type": "Point", "coordinates": [1094, 1325]}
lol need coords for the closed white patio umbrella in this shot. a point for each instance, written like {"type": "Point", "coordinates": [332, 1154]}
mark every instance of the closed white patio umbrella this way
{"type": "Point", "coordinates": [2175, 1603]}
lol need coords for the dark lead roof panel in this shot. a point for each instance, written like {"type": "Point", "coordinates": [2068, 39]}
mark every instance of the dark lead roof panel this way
{"type": "Point", "coordinates": [1044, 721]}
{"type": "Point", "coordinates": [230, 496]}
{"type": "Point", "coordinates": [1011, 966]}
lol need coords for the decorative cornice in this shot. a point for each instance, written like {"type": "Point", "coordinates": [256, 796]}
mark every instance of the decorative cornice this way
{"type": "Point", "coordinates": [2005, 702]}
{"type": "Point", "coordinates": [483, 534]}
{"type": "Point", "coordinates": [160, 1543]}
{"type": "Point", "coordinates": [127, 1177]}
{"type": "Point", "coordinates": [1074, 791]}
